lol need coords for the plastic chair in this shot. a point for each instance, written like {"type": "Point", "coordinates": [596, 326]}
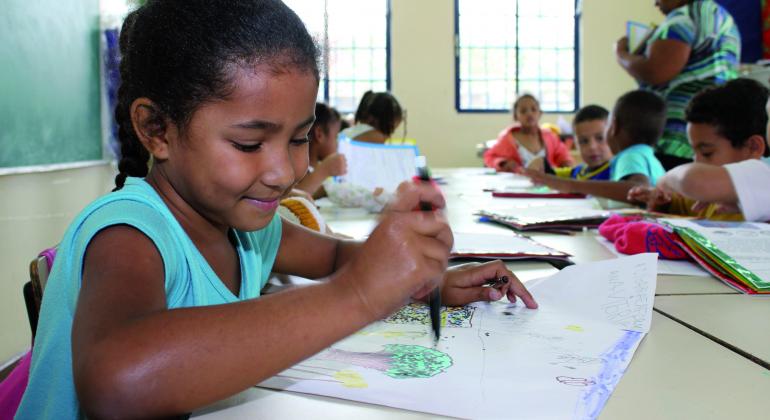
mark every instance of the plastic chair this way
{"type": "Point", "coordinates": [12, 387]}
{"type": "Point", "coordinates": [39, 269]}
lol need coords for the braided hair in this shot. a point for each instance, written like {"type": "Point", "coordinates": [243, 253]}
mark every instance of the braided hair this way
{"type": "Point", "coordinates": [183, 53]}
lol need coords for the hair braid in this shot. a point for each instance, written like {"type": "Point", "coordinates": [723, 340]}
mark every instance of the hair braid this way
{"type": "Point", "coordinates": [133, 155]}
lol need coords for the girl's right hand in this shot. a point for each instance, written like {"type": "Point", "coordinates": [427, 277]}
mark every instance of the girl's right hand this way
{"type": "Point", "coordinates": [406, 254]}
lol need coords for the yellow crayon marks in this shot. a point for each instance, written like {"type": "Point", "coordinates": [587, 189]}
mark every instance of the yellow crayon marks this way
{"type": "Point", "coordinates": [575, 328]}
{"type": "Point", "coordinates": [393, 334]}
{"type": "Point", "coordinates": [350, 379]}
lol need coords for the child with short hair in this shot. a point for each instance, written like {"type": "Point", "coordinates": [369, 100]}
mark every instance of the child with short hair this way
{"type": "Point", "coordinates": [525, 141]}
{"type": "Point", "coordinates": [725, 124]}
{"type": "Point", "coordinates": [376, 119]}
{"type": "Point", "coordinates": [635, 125]}
{"type": "Point", "coordinates": [324, 161]}
{"type": "Point", "coordinates": [589, 124]}
{"type": "Point", "coordinates": [153, 305]}
{"type": "Point", "coordinates": [728, 180]}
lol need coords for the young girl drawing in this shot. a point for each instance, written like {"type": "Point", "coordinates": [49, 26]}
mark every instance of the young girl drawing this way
{"type": "Point", "coordinates": [151, 308]}
{"type": "Point", "coordinates": [524, 142]}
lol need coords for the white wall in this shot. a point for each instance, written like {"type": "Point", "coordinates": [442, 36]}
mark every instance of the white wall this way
{"type": "Point", "coordinates": [35, 209]}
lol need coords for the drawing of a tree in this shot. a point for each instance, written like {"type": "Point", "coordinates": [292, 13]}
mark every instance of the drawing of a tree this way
{"type": "Point", "coordinates": [399, 361]}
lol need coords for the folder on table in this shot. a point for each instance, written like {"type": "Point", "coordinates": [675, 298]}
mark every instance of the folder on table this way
{"type": "Point", "coordinates": [738, 253]}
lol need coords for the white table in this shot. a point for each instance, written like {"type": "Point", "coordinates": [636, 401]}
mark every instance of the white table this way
{"type": "Point", "coordinates": [676, 372]}
{"type": "Point", "coordinates": [739, 321]}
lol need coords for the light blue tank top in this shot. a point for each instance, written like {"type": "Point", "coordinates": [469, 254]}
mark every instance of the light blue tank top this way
{"type": "Point", "coordinates": [189, 281]}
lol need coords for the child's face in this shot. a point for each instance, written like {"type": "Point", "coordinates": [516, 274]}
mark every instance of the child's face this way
{"type": "Point", "coordinates": [712, 148]}
{"type": "Point", "coordinates": [238, 156]}
{"type": "Point", "coordinates": [328, 139]}
{"type": "Point", "coordinates": [591, 142]}
{"type": "Point", "coordinates": [527, 112]}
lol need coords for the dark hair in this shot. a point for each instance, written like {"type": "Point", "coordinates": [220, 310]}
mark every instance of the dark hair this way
{"type": "Point", "coordinates": [642, 115]}
{"type": "Point", "coordinates": [183, 53]}
{"type": "Point", "coordinates": [590, 113]}
{"type": "Point", "coordinates": [521, 98]}
{"type": "Point", "coordinates": [324, 115]}
{"type": "Point", "coordinates": [381, 110]}
{"type": "Point", "coordinates": [361, 112]}
{"type": "Point", "coordinates": [736, 109]}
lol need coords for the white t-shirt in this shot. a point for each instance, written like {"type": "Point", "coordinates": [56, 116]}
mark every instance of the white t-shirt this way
{"type": "Point", "coordinates": [750, 179]}
{"type": "Point", "coordinates": [527, 157]}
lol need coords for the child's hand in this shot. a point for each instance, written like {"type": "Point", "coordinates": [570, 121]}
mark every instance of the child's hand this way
{"type": "Point", "coordinates": [542, 178]}
{"type": "Point", "coordinates": [507, 166]}
{"type": "Point", "coordinates": [406, 254]}
{"type": "Point", "coordinates": [652, 197]}
{"type": "Point", "coordinates": [465, 284]}
{"type": "Point", "coordinates": [334, 165]}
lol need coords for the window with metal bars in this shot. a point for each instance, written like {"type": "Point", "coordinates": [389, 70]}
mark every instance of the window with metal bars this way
{"type": "Point", "coordinates": [355, 44]}
{"type": "Point", "coordinates": [504, 48]}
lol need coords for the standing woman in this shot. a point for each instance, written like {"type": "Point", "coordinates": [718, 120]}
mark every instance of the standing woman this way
{"type": "Point", "coordinates": [697, 45]}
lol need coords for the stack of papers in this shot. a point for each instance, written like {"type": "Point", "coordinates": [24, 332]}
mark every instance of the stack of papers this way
{"type": "Point", "coordinates": [738, 253]}
{"type": "Point", "coordinates": [538, 191]}
{"type": "Point", "coordinates": [547, 218]}
{"type": "Point", "coordinates": [506, 246]}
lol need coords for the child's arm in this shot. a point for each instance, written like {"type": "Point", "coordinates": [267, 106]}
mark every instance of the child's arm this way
{"type": "Point", "coordinates": [653, 198]}
{"type": "Point", "coordinates": [134, 357]}
{"type": "Point", "coordinates": [500, 156]}
{"type": "Point", "coordinates": [614, 190]}
{"type": "Point", "coordinates": [700, 182]}
{"type": "Point", "coordinates": [334, 165]}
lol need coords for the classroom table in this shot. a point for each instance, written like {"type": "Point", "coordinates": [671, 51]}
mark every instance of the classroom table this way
{"type": "Point", "coordinates": [692, 363]}
{"type": "Point", "coordinates": [675, 374]}
{"type": "Point", "coordinates": [738, 321]}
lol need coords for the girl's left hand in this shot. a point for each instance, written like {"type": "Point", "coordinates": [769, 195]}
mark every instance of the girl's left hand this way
{"type": "Point", "coordinates": [466, 283]}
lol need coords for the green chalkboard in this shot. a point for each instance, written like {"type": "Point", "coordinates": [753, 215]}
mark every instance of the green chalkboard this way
{"type": "Point", "coordinates": [49, 82]}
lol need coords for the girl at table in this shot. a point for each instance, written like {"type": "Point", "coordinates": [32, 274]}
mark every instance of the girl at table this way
{"type": "Point", "coordinates": [524, 142]}
{"type": "Point", "coordinates": [152, 308]}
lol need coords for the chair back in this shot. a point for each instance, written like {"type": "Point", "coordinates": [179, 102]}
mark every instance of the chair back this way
{"type": "Point", "coordinates": [39, 268]}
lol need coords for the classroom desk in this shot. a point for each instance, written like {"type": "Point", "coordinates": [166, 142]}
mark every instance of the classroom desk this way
{"type": "Point", "coordinates": [675, 374]}
{"type": "Point", "coordinates": [739, 321]}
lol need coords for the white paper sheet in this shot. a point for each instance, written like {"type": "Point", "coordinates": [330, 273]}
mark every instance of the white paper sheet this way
{"type": "Point", "coordinates": [498, 360]}
{"type": "Point", "coordinates": [377, 165]}
{"type": "Point", "coordinates": [668, 267]}
{"type": "Point", "coordinates": [747, 243]}
{"type": "Point", "coordinates": [501, 244]}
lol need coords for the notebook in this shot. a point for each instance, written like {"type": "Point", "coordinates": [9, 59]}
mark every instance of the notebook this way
{"type": "Point", "coordinates": [557, 219]}
{"type": "Point", "coordinates": [738, 253]}
{"type": "Point", "coordinates": [373, 165]}
{"type": "Point", "coordinates": [637, 34]}
{"type": "Point", "coordinates": [504, 246]}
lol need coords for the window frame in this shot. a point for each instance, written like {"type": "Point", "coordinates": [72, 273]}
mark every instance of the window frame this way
{"type": "Point", "coordinates": [576, 61]}
{"type": "Point", "coordinates": [325, 53]}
